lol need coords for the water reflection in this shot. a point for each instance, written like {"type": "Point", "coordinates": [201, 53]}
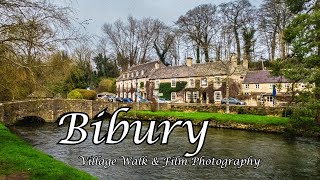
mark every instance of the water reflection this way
{"type": "Point", "coordinates": [280, 158]}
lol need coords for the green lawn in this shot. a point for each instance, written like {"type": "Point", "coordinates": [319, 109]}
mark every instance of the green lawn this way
{"type": "Point", "coordinates": [237, 118]}
{"type": "Point", "coordinates": [19, 160]}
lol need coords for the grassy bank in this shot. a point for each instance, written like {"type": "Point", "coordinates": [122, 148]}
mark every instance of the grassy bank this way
{"type": "Point", "coordinates": [18, 160]}
{"type": "Point", "coordinates": [218, 117]}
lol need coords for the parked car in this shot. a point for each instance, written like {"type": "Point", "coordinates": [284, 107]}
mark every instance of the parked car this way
{"type": "Point", "coordinates": [144, 100]}
{"type": "Point", "coordinates": [163, 100]}
{"type": "Point", "coordinates": [119, 99]}
{"type": "Point", "coordinates": [233, 101]}
{"type": "Point", "coordinates": [111, 98]}
{"type": "Point", "coordinates": [127, 100]}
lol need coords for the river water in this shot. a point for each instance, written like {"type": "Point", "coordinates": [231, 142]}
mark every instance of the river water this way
{"type": "Point", "coordinates": [264, 156]}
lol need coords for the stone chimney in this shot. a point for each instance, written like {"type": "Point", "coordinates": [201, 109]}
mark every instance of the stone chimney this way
{"type": "Point", "coordinates": [156, 65]}
{"type": "Point", "coordinates": [189, 61]}
{"type": "Point", "coordinates": [245, 63]}
{"type": "Point", "coordinates": [233, 60]}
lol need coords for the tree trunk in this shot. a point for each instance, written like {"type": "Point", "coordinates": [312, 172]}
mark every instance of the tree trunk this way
{"type": "Point", "coordinates": [236, 35]}
{"type": "Point", "coordinates": [282, 45]}
{"type": "Point", "coordinates": [206, 53]}
{"type": "Point", "coordinates": [273, 45]}
{"type": "Point", "coordinates": [227, 96]}
{"type": "Point", "coordinates": [198, 54]}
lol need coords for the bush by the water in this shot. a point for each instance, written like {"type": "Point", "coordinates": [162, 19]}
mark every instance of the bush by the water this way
{"type": "Point", "coordinates": [82, 94]}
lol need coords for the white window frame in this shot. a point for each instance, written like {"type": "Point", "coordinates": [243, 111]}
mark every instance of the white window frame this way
{"type": "Point", "coordinates": [269, 98]}
{"type": "Point", "coordinates": [257, 86]}
{"type": "Point", "coordinates": [132, 74]}
{"type": "Point", "coordinates": [173, 82]}
{"type": "Point", "coordinates": [215, 94]}
{"type": "Point", "coordinates": [142, 72]}
{"type": "Point", "coordinates": [129, 94]}
{"type": "Point", "coordinates": [202, 85]}
{"type": "Point", "coordinates": [134, 83]}
{"type": "Point", "coordinates": [195, 95]}
{"type": "Point", "coordinates": [247, 86]}
{"type": "Point", "coordinates": [217, 82]}
{"type": "Point", "coordinates": [188, 95]}
{"type": "Point", "coordinates": [192, 85]}
{"type": "Point", "coordinates": [173, 94]}
{"type": "Point", "coordinates": [157, 84]}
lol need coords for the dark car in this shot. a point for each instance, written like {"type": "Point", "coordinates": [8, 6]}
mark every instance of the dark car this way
{"type": "Point", "coordinates": [127, 100]}
{"type": "Point", "coordinates": [119, 99]}
{"type": "Point", "coordinates": [111, 98]}
{"type": "Point", "coordinates": [233, 101]}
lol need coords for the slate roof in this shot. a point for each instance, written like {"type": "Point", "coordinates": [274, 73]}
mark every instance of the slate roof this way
{"type": "Point", "coordinates": [147, 69]}
{"type": "Point", "coordinates": [195, 70]}
{"type": "Point", "coordinates": [263, 76]}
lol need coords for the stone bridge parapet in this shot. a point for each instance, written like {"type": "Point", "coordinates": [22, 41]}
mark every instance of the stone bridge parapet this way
{"type": "Point", "coordinates": [50, 109]}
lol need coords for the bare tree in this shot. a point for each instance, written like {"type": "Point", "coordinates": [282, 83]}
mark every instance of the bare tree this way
{"type": "Point", "coordinates": [30, 29]}
{"type": "Point", "coordinates": [164, 42]}
{"type": "Point", "coordinates": [131, 42]}
{"type": "Point", "coordinates": [236, 14]}
{"type": "Point", "coordinates": [200, 26]}
{"type": "Point", "coordinates": [274, 17]}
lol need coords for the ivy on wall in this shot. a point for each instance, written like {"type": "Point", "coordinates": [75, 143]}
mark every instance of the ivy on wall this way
{"type": "Point", "coordinates": [166, 88]}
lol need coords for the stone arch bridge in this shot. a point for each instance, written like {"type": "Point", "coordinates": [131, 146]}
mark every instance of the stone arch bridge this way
{"type": "Point", "coordinates": [51, 109]}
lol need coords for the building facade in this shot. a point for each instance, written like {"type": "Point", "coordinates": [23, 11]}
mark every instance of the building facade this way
{"type": "Point", "coordinates": [200, 83]}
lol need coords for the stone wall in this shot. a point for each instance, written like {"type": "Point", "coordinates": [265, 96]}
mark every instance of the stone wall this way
{"type": "Point", "coordinates": [50, 110]}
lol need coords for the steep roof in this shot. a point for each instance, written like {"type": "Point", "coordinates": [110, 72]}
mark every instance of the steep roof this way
{"type": "Point", "coordinates": [147, 69]}
{"type": "Point", "coordinates": [195, 70]}
{"type": "Point", "coordinates": [263, 76]}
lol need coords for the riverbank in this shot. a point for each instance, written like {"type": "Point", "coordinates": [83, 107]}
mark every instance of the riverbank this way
{"type": "Point", "coordinates": [230, 121]}
{"type": "Point", "coordinates": [19, 160]}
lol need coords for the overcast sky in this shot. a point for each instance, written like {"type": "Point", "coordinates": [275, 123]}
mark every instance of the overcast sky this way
{"type": "Point", "coordinates": [108, 11]}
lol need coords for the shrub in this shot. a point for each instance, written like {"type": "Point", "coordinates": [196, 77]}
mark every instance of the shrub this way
{"type": "Point", "coordinates": [82, 94]}
{"type": "Point", "coordinates": [107, 85]}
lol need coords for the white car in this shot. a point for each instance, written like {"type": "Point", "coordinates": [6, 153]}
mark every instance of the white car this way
{"type": "Point", "coordinates": [162, 100]}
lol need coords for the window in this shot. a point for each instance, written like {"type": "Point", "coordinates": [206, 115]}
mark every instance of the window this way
{"type": "Point", "coordinates": [195, 95]}
{"type": "Point", "coordinates": [269, 98]}
{"type": "Point", "coordinates": [247, 86]}
{"type": "Point", "coordinates": [134, 83]}
{"type": "Point", "coordinates": [121, 95]}
{"type": "Point", "coordinates": [217, 82]}
{"type": "Point", "coordinates": [302, 85]}
{"type": "Point", "coordinates": [287, 85]}
{"type": "Point", "coordinates": [204, 82]}
{"type": "Point", "coordinates": [247, 93]}
{"type": "Point", "coordinates": [188, 95]}
{"type": "Point", "coordinates": [191, 82]}
{"type": "Point", "coordinates": [133, 97]}
{"type": "Point", "coordinates": [155, 92]}
{"type": "Point", "coordinates": [257, 86]}
{"type": "Point", "coordinates": [271, 86]}
{"type": "Point", "coordinates": [137, 73]}
{"type": "Point", "coordinates": [132, 74]}
{"type": "Point", "coordinates": [142, 73]}
{"type": "Point", "coordinates": [157, 84]}
{"type": "Point", "coordinates": [173, 96]}
{"type": "Point", "coordinates": [173, 82]}
{"type": "Point", "coordinates": [124, 95]}
{"type": "Point", "coordinates": [129, 95]}
{"type": "Point", "coordinates": [217, 96]}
